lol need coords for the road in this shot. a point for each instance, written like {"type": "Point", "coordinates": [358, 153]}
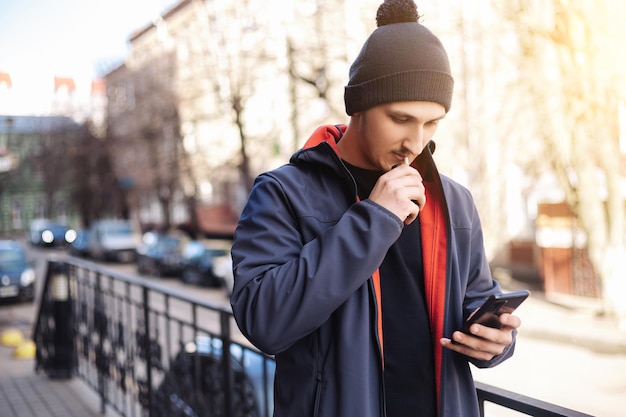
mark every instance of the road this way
{"type": "Point", "coordinates": [556, 372]}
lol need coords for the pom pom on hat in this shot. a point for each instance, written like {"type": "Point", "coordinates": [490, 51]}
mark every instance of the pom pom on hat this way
{"type": "Point", "coordinates": [396, 12]}
{"type": "Point", "coordinates": [400, 61]}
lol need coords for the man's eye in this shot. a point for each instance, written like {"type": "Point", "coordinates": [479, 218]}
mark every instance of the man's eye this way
{"type": "Point", "coordinates": [400, 119]}
{"type": "Point", "coordinates": [433, 123]}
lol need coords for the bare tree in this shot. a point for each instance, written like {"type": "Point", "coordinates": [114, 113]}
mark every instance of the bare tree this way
{"type": "Point", "coordinates": [51, 161]}
{"type": "Point", "coordinates": [317, 65]}
{"type": "Point", "coordinates": [236, 51]}
{"type": "Point", "coordinates": [157, 129]}
{"type": "Point", "coordinates": [569, 67]}
{"type": "Point", "coordinates": [229, 54]}
{"type": "Point", "coordinates": [94, 189]}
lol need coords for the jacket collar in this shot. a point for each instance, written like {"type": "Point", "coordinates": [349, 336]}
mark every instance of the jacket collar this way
{"type": "Point", "coordinates": [331, 134]}
{"type": "Point", "coordinates": [321, 149]}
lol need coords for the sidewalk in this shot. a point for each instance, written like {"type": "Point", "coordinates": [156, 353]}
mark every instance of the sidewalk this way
{"type": "Point", "coordinates": [33, 395]}
{"type": "Point", "coordinates": [569, 320]}
{"type": "Point", "coordinates": [25, 393]}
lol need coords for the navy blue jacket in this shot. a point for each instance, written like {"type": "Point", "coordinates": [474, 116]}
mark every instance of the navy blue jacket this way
{"type": "Point", "coordinates": [306, 255]}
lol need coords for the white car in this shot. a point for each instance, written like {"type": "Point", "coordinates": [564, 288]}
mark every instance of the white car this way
{"type": "Point", "coordinates": [223, 268]}
{"type": "Point", "coordinates": [113, 240]}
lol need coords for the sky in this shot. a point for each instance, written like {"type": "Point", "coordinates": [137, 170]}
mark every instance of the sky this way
{"type": "Point", "coordinates": [70, 38]}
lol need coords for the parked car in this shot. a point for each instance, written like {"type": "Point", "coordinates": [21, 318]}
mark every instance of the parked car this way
{"type": "Point", "coordinates": [17, 277]}
{"type": "Point", "coordinates": [113, 240]}
{"type": "Point", "coordinates": [186, 389]}
{"type": "Point", "coordinates": [47, 233]}
{"type": "Point", "coordinates": [80, 245]}
{"type": "Point", "coordinates": [160, 254]}
{"type": "Point", "coordinates": [198, 257]}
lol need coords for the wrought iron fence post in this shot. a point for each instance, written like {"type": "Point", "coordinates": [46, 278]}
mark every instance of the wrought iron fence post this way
{"type": "Point", "coordinates": [61, 362]}
{"type": "Point", "coordinates": [100, 324]}
{"type": "Point", "coordinates": [227, 364]}
{"type": "Point", "coordinates": [148, 349]}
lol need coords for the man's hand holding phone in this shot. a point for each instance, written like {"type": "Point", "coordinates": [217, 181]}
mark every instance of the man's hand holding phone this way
{"type": "Point", "coordinates": [488, 331]}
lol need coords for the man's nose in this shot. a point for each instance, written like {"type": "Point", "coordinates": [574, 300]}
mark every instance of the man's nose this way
{"type": "Point", "coordinates": [415, 142]}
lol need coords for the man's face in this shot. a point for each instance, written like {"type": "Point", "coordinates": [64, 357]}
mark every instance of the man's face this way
{"type": "Point", "coordinates": [388, 133]}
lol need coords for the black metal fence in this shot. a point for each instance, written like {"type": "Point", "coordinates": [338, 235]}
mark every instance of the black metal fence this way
{"type": "Point", "coordinates": [149, 350]}
{"type": "Point", "coordinates": [146, 349]}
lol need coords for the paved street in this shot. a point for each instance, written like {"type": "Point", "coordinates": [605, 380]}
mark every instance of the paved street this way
{"type": "Point", "coordinates": [564, 356]}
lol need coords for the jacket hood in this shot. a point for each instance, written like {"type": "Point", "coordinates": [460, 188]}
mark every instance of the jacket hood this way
{"type": "Point", "coordinates": [324, 137]}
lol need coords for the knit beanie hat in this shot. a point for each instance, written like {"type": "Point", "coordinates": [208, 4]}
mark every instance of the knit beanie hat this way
{"type": "Point", "coordinates": [400, 61]}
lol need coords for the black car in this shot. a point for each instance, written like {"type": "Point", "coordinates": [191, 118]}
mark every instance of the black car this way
{"type": "Point", "coordinates": [17, 277]}
{"type": "Point", "coordinates": [160, 254]}
{"type": "Point", "coordinates": [48, 233]}
{"type": "Point", "coordinates": [198, 257]}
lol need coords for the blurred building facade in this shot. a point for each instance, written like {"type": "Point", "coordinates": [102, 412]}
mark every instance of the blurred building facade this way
{"type": "Point", "coordinates": [32, 180]}
{"type": "Point", "coordinates": [40, 115]}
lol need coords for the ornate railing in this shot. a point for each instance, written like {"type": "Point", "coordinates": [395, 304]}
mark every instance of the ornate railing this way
{"type": "Point", "coordinates": [149, 350]}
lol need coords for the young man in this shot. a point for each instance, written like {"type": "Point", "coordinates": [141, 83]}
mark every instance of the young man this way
{"type": "Point", "coordinates": [356, 263]}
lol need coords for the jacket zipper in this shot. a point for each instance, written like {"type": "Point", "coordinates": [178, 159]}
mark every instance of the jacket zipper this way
{"type": "Point", "coordinates": [318, 395]}
{"type": "Point", "coordinates": [383, 401]}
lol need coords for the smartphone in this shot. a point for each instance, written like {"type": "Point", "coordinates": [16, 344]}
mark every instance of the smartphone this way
{"type": "Point", "coordinates": [489, 313]}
